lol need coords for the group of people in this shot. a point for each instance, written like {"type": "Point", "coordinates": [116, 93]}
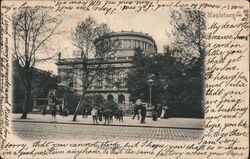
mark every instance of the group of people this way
{"type": "Point", "coordinates": [108, 111]}
{"type": "Point", "coordinates": [98, 113]}
{"type": "Point", "coordinates": [164, 112]}
{"type": "Point", "coordinates": [53, 107]}
{"type": "Point", "coordinates": [140, 109]}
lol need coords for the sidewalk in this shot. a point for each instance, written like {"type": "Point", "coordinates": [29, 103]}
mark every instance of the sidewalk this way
{"type": "Point", "coordinates": [180, 123]}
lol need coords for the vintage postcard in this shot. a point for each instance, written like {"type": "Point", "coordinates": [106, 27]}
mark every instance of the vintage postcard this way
{"type": "Point", "coordinates": [124, 79]}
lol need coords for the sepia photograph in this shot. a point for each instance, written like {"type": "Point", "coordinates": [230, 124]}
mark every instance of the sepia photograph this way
{"type": "Point", "coordinates": [130, 79]}
{"type": "Point", "coordinates": [119, 77]}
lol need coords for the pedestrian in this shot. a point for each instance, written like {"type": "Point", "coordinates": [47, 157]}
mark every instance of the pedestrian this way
{"type": "Point", "coordinates": [120, 114]}
{"type": "Point", "coordinates": [162, 112]}
{"type": "Point", "coordinates": [65, 112]}
{"type": "Point", "coordinates": [83, 111]}
{"type": "Point", "coordinates": [154, 113]}
{"type": "Point", "coordinates": [117, 114]}
{"type": "Point", "coordinates": [107, 112]}
{"type": "Point", "coordinates": [60, 109]}
{"type": "Point", "coordinates": [111, 112]}
{"type": "Point", "coordinates": [44, 110]}
{"type": "Point", "coordinates": [94, 114]}
{"type": "Point", "coordinates": [159, 109]}
{"type": "Point", "coordinates": [99, 112]}
{"type": "Point", "coordinates": [166, 113]}
{"type": "Point", "coordinates": [143, 113]}
{"type": "Point", "coordinates": [136, 109]}
{"type": "Point", "coordinates": [53, 105]}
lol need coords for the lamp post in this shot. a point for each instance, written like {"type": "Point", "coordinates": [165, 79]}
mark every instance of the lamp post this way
{"type": "Point", "coordinates": [150, 82]}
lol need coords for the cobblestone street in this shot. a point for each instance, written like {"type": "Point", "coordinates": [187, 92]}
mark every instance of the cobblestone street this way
{"type": "Point", "coordinates": [30, 131]}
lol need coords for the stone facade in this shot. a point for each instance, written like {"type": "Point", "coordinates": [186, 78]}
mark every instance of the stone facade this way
{"type": "Point", "coordinates": [111, 87]}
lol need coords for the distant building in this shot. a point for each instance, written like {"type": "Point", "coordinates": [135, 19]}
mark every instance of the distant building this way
{"type": "Point", "coordinates": [111, 87]}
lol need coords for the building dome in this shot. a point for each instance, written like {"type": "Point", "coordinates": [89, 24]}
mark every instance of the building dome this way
{"type": "Point", "coordinates": [128, 41]}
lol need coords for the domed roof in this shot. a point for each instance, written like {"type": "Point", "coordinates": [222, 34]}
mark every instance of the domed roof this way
{"type": "Point", "coordinates": [127, 34]}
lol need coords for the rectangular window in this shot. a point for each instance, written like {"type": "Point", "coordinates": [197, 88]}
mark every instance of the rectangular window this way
{"type": "Point", "coordinates": [75, 82]}
{"type": "Point", "coordinates": [99, 82]}
{"type": "Point", "coordinates": [122, 43]}
{"type": "Point", "coordinates": [122, 79]}
{"type": "Point", "coordinates": [109, 80]}
{"type": "Point", "coordinates": [125, 44]}
{"type": "Point", "coordinates": [136, 43]}
{"type": "Point", "coordinates": [141, 45]}
{"type": "Point", "coordinates": [133, 44]}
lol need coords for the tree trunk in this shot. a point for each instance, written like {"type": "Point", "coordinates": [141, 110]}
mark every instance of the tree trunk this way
{"type": "Point", "coordinates": [84, 88]}
{"type": "Point", "coordinates": [26, 102]}
{"type": "Point", "coordinates": [78, 105]}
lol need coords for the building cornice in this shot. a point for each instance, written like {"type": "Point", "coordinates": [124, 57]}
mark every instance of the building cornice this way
{"type": "Point", "coordinates": [76, 61]}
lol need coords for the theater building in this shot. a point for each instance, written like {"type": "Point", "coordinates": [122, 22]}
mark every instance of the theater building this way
{"type": "Point", "coordinates": [111, 87]}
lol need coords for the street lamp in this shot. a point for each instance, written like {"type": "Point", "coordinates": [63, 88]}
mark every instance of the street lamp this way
{"type": "Point", "coordinates": [150, 82]}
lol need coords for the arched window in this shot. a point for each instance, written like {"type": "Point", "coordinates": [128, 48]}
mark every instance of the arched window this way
{"type": "Point", "coordinates": [110, 98]}
{"type": "Point", "coordinates": [121, 99]}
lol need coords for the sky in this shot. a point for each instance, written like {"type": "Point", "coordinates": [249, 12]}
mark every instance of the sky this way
{"type": "Point", "coordinates": [156, 24]}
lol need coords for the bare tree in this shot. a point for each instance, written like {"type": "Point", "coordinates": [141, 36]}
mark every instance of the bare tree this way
{"type": "Point", "coordinates": [189, 31]}
{"type": "Point", "coordinates": [32, 29]}
{"type": "Point", "coordinates": [92, 62]}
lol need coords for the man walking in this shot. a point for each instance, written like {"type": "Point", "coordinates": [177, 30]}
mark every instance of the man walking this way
{"type": "Point", "coordinates": [52, 98]}
{"type": "Point", "coordinates": [137, 105]}
{"type": "Point", "coordinates": [143, 113]}
{"type": "Point", "coordinates": [107, 115]}
{"type": "Point", "coordinates": [136, 112]}
{"type": "Point", "coordinates": [120, 114]}
{"type": "Point", "coordinates": [94, 115]}
{"type": "Point", "coordinates": [44, 110]}
{"type": "Point", "coordinates": [99, 112]}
